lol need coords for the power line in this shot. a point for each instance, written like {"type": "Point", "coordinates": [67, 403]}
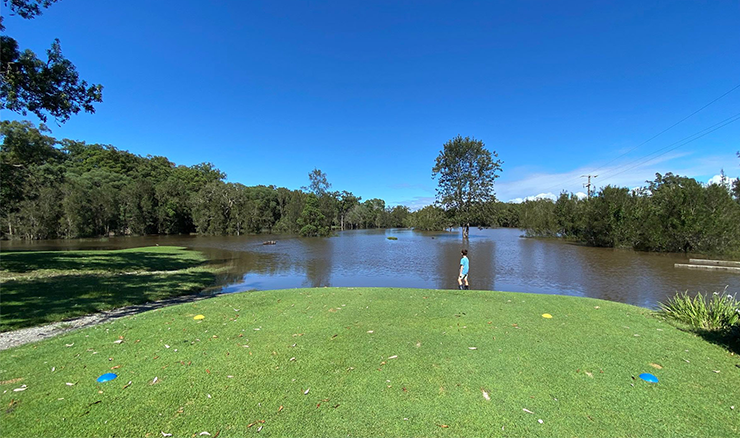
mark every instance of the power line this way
{"type": "Point", "coordinates": [571, 180]}
{"type": "Point", "coordinates": [697, 136]}
{"type": "Point", "coordinates": [668, 128]}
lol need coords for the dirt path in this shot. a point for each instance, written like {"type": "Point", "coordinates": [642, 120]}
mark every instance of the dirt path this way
{"type": "Point", "coordinates": [34, 334]}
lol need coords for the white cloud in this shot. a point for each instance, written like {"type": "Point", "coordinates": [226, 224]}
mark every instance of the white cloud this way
{"type": "Point", "coordinates": [619, 175]}
{"type": "Point", "coordinates": [534, 198]}
{"type": "Point", "coordinates": [417, 202]}
{"type": "Point", "coordinates": [717, 179]}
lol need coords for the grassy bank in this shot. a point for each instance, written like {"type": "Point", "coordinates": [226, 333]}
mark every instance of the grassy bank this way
{"type": "Point", "coordinates": [375, 362]}
{"type": "Point", "coordinates": [40, 287]}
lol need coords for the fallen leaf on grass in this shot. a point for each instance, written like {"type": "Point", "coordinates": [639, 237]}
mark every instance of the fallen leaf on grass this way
{"type": "Point", "coordinates": [259, 428]}
{"type": "Point", "coordinates": [527, 411]}
{"type": "Point", "coordinates": [485, 394]}
{"type": "Point", "coordinates": [716, 371]}
{"type": "Point", "coordinates": [540, 421]}
{"type": "Point", "coordinates": [280, 408]}
{"type": "Point", "coordinates": [70, 384]}
{"type": "Point", "coordinates": [472, 348]}
{"type": "Point", "coordinates": [589, 375]}
{"type": "Point", "coordinates": [16, 380]}
{"type": "Point", "coordinates": [204, 433]}
{"type": "Point", "coordinates": [655, 365]}
{"type": "Point", "coordinates": [118, 341]}
{"type": "Point", "coordinates": [154, 381]}
{"type": "Point", "coordinates": [115, 367]}
{"type": "Point", "coordinates": [166, 434]}
{"type": "Point", "coordinates": [69, 345]}
{"type": "Point", "coordinates": [393, 357]}
{"type": "Point", "coordinates": [306, 391]}
{"type": "Point", "coordinates": [443, 426]}
{"type": "Point", "coordinates": [22, 388]}
{"type": "Point", "coordinates": [127, 385]}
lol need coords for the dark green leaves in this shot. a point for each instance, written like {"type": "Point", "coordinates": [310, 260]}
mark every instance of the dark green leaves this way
{"type": "Point", "coordinates": [43, 87]}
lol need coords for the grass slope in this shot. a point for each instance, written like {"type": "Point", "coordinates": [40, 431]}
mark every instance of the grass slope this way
{"type": "Point", "coordinates": [40, 287]}
{"type": "Point", "coordinates": [375, 362]}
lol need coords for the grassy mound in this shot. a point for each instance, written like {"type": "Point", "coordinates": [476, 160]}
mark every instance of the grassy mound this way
{"type": "Point", "coordinates": [375, 362]}
{"type": "Point", "coordinates": [40, 287]}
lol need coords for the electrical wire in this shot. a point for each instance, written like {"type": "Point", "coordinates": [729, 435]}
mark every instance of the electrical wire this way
{"type": "Point", "coordinates": [685, 141]}
{"type": "Point", "coordinates": [571, 180]}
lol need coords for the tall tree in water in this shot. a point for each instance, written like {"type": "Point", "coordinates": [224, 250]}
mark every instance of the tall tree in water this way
{"type": "Point", "coordinates": [29, 84]}
{"type": "Point", "coordinates": [467, 172]}
{"type": "Point", "coordinates": [319, 184]}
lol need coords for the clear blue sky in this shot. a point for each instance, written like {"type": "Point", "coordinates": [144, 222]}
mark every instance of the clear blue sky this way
{"type": "Point", "coordinates": [369, 91]}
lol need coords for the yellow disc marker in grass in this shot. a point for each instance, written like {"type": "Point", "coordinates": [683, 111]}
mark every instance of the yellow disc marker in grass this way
{"type": "Point", "coordinates": [546, 315]}
{"type": "Point", "coordinates": [196, 317]}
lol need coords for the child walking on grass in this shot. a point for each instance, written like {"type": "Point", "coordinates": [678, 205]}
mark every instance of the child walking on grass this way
{"type": "Point", "coordinates": [464, 268]}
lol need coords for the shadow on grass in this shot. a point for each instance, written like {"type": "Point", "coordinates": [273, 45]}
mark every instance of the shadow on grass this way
{"type": "Point", "coordinates": [150, 259]}
{"type": "Point", "coordinates": [29, 303]}
{"type": "Point", "coordinates": [729, 339]}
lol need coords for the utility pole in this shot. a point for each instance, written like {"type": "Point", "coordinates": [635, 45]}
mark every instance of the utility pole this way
{"type": "Point", "coordinates": [588, 185]}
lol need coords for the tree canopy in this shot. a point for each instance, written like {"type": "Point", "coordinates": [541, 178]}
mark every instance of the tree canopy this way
{"type": "Point", "coordinates": [53, 188]}
{"type": "Point", "coordinates": [466, 171]}
{"type": "Point", "coordinates": [30, 84]}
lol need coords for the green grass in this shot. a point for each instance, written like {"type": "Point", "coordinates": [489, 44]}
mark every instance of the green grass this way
{"type": "Point", "coordinates": [375, 362]}
{"type": "Point", "coordinates": [47, 286]}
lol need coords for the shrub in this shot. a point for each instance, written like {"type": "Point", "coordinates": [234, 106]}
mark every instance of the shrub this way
{"type": "Point", "coordinates": [720, 313]}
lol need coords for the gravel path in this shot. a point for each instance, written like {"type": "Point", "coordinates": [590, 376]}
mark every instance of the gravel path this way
{"type": "Point", "coordinates": [34, 334]}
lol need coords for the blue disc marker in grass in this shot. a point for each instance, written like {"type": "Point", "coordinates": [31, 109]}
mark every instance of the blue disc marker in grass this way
{"type": "Point", "coordinates": [106, 377]}
{"type": "Point", "coordinates": [648, 377]}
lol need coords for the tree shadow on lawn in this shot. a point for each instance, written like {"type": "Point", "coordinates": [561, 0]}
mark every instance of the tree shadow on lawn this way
{"type": "Point", "coordinates": [729, 339]}
{"type": "Point", "coordinates": [45, 300]}
{"type": "Point", "coordinates": [118, 260]}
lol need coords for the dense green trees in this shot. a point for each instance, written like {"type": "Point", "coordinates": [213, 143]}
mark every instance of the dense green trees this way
{"type": "Point", "coordinates": [67, 189]}
{"type": "Point", "coordinates": [670, 214]}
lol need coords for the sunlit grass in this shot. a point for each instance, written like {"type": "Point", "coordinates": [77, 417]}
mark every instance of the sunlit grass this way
{"type": "Point", "coordinates": [375, 362]}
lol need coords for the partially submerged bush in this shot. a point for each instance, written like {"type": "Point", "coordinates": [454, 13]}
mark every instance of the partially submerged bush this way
{"type": "Point", "coordinates": [720, 313]}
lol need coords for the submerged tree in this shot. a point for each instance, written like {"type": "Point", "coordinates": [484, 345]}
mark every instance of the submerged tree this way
{"type": "Point", "coordinates": [467, 172]}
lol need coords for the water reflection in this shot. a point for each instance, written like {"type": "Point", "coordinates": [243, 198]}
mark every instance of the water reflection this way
{"type": "Point", "coordinates": [499, 260]}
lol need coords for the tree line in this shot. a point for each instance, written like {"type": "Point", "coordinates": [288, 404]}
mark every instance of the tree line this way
{"type": "Point", "coordinates": [669, 214]}
{"type": "Point", "coordinates": [53, 188]}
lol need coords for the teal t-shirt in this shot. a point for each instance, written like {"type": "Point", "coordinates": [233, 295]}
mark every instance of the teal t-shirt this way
{"type": "Point", "coordinates": [465, 264]}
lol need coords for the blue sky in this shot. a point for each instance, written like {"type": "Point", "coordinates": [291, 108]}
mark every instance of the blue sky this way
{"type": "Point", "coordinates": [369, 91]}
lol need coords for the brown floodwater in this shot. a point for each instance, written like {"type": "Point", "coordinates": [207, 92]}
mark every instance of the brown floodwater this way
{"type": "Point", "coordinates": [500, 259]}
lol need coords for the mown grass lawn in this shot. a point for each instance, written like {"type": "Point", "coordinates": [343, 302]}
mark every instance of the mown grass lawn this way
{"type": "Point", "coordinates": [39, 287]}
{"type": "Point", "coordinates": [375, 362]}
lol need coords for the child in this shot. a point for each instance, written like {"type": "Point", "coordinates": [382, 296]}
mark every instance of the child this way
{"type": "Point", "coordinates": [464, 267]}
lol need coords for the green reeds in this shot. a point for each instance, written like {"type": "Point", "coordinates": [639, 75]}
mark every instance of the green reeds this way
{"type": "Point", "coordinates": [719, 312]}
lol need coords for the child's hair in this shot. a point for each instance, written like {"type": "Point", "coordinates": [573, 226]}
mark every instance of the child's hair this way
{"type": "Point", "coordinates": [465, 252]}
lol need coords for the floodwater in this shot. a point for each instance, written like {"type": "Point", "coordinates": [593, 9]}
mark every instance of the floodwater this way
{"type": "Point", "coordinates": [500, 259]}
